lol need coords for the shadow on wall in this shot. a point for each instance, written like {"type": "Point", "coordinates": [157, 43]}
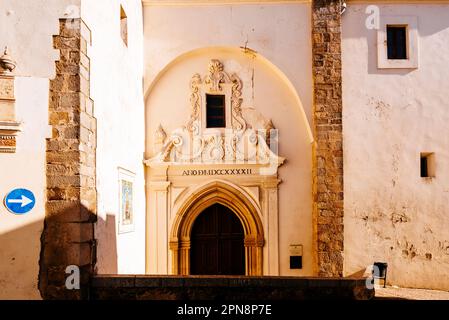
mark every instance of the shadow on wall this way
{"type": "Point", "coordinates": [30, 271]}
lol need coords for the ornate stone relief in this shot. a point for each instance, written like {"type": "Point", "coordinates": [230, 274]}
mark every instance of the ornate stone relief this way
{"type": "Point", "coordinates": [159, 135]}
{"type": "Point", "coordinates": [7, 143]}
{"type": "Point", "coordinates": [236, 144]}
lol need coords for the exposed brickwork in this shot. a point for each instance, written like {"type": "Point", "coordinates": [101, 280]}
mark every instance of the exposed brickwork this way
{"type": "Point", "coordinates": [68, 236]}
{"type": "Point", "coordinates": [328, 149]}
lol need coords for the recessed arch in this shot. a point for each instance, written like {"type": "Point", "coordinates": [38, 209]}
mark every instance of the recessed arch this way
{"type": "Point", "coordinates": [257, 56]}
{"type": "Point", "coordinates": [230, 196]}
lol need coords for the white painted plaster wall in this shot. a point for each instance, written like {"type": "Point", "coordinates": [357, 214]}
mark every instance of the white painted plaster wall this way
{"type": "Point", "coordinates": [268, 95]}
{"type": "Point", "coordinates": [390, 116]}
{"type": "Point", "coordinates": [280, 32]}
{"type": "Point", "coordinates": [116, 88]}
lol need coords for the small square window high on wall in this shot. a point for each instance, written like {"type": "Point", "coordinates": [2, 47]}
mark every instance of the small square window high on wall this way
{"type": "Point", "coordinates": [123, 26]}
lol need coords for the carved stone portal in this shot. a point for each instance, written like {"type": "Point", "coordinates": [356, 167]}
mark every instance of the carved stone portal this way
{"type": "Point", "coordinates": [216, 81]}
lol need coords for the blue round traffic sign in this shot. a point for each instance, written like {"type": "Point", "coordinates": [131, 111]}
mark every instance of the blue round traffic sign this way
{"type": "Point", "coordinates": [20, 201]}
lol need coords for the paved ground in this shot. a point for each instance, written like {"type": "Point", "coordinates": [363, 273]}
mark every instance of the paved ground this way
{"type": "Point", "coordinates": [411, 294]}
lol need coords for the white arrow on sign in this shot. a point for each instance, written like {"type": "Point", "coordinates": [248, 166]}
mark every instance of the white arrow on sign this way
{"type": "Point", "coordinates": [24, 201]}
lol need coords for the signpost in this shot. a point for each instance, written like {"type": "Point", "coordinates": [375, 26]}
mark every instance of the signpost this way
{"type": "Point", "coordinates": [20, 201]}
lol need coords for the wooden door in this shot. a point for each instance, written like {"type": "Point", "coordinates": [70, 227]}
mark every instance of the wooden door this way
{"type": "Point", "coordinates": [217, 243]}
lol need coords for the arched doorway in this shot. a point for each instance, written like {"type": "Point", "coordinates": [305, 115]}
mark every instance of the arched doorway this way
{"type": "Point", "coordinates": [217, 243]}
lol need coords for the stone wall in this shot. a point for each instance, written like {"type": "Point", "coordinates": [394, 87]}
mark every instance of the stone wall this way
{"type": "Point", "coordinates": [68, 236]}
{"type": "Point", "coordinates": [9, 127]}
{"type": "Point", "coordinates": [328, 148]}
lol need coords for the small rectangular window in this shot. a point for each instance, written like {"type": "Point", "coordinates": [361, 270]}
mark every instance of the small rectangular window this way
{"type": "Point", "coordinates": [397, 42]}
{"type": "Point", "coordinates": [427, 164]}
{"type": "Point", "coordinates": [295, 262]}
{"type": "Point", "coordinates": [124, 26]}
{"type": "Point", "coordinates": [215, 111]}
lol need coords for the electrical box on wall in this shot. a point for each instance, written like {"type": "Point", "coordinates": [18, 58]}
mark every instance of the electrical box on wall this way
{"type": "Point", "coordinates": [295, 256]}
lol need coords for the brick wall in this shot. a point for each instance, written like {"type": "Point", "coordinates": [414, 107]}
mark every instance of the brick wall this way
{"type": "Point", "coordinates": [328, 148]}
{"type": "Point", "coordinates": [68, 236]}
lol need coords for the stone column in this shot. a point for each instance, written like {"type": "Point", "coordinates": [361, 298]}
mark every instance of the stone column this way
{"type": "Point", "coordinates": [328, 148]}
{"type": "Point", "coordinates": [68, 235]}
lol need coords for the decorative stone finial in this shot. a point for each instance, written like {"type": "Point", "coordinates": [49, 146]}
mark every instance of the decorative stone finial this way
{"type": "Point", "coordinates": [7, 64]}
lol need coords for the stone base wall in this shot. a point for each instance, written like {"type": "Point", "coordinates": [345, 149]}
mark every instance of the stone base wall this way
{"type": "Point", "coordinates": [227, 288]}
{"type": "Point", "coordinates": [68, 236]}
{"type": "Point", "coordinates": [328, 131]}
